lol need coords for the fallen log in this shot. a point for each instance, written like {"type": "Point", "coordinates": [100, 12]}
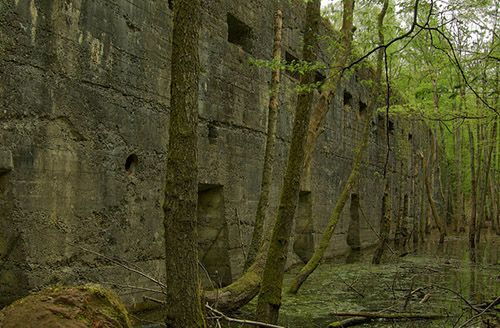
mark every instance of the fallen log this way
{"type": "Point", "coordinates": [374, 315]}
{"type": "Point", "coordinates": [349, 322]}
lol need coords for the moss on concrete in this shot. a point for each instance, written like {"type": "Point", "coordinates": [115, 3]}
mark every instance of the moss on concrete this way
{"type": "Point", "coordinates": [69, 307]}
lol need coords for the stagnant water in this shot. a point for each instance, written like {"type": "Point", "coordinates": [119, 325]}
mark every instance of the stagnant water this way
{"type": "Point", "coordinates": [445, 273]}
{"type": "Point", "coordinates": [352, 283]}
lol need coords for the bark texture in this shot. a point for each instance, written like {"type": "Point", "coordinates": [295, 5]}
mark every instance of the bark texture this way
{"type": "Point", "coordinates": [267, 171]}
{"type": "Point", "coordinates": [269, 300]}
{"type": "Point", "coordinates": [181, 190]}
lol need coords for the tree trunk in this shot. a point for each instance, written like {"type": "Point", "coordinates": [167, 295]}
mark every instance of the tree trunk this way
{"type": "Point", "coordinates": [423, 210]}
{"type": "Point", "coordinates": [267, 171]}
{"type": "Point", "coordinates": [485, 177]}
{"type": "Point", "coordinates": [323, 106]}
{"type": "Point", "coordinates": [385, 223]}
{"type": "Point", "coordinates": [479, 180]}
{"type": "Point", "coordinates": [435, 214]}
{"type": "Point", "coordinates": [181, 189]}
{"type": "Point", "coordinates": [312, 264]}
{"type": "Point", "coordinates": [472, 226]}
{"type": "Point", "coordinates": [458, 181]}
{"type": "Point", "coordinates": [269, 300]}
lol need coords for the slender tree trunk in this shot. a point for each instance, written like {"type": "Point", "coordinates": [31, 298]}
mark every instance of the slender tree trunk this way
{"type": "Point", "coordinates": [267, 171]}
{"type": "Point", "coordinates": [485, 177]}
{"type": "Point", "coordinates": [458, 180]}
{"type": "Point", "coordinates": [385, 223]}
{"type": "Point", "coordinates": [479, 180]}
{"type": "Point", "coordinates": [181, 189]}
{"type": "Point", "coordinates": [312, 264]}
{"type": "Point", "coordinates": [439, 151]}
{"type": "Point", "coordinates": [322, 107]}
{"type": "Point", "coordinates": [423, 210]}
{"type": "Point", "coordinates": [398, 237]}
{"type": "Point", "coordinates": [269, 300]}
{"type": "Point", "coordinates": [472, 226]}
{"type": "Point", "coordinates": [435, 214]}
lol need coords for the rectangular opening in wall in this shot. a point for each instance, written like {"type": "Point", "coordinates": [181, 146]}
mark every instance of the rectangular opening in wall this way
{"type": "Point", "coordinates": [390, 127]}
{"type": "Point", "coordinates": [348, 100]}
{"type": "Point", "coordinates": [381, 124]}
{"type": "Point", "coordinates": [362, 108]}
{"type": "Point", "coordinates": [291, 62]}
{"type": "Point", "coordinates": [213, 242]}
{"type": "Point", "coordinates": [319, 78]}
{"type": "Point", "coordinates": [303, 245]}
{"type": "Point", "coordinates": [239, 33]}
{"type": "Point", "coordinates": [353, 232]}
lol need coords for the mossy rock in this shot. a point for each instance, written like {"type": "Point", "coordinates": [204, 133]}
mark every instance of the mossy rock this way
{"type": "Point", "coordinates": [66, 307]}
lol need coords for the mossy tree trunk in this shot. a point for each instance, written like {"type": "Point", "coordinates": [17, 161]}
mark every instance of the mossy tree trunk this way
{"type": "Point", "coordinates": [181, 190]}
{"type": "Point", "coordinates": [267, 171]}
{"type": "Point", "coordinates": [313, 263]}
{"type": "Point", "coordinates": [269, 300]}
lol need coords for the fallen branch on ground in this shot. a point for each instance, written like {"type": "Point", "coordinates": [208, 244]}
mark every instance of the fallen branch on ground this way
{"type": "Point", "coordinates": [491, 305]}
{"type": "Point", "coordinates": [350, 322]}
{"type": "Point", "coordinates": [223, 316]}
{"type": "Point", "coordinates": [241, 321]}
{"type": "Point", "coordinates": [389, 315]}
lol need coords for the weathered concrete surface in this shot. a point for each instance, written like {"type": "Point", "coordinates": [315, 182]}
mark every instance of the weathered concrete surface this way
{"type": "Point", "coordinates": [84, 86]}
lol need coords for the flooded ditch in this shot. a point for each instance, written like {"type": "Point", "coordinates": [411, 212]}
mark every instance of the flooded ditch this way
{"type": "Point", "coordinates": [442, 275]}
{"type": "Point", "coordinates": [429, 279]}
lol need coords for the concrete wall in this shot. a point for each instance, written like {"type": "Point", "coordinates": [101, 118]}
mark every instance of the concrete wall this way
{"type": "Point", "coordinates": [84, 102]}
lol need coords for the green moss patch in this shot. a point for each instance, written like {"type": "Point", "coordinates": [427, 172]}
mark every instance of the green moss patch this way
{"type": "Point", "coordinates": [69, 307]}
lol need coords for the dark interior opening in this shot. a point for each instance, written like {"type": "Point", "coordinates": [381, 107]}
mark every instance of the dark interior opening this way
{"type": "Point", "coordinates": [131, 163]}
{"type": "Point", "coordinates": [303, 245]}
{"type": "Point", "coordinates": [171, 4]}
{"type": "Point", "coordinates": [213, 236]}
{"type": "Point", "coordinates": [381, 124]}
{"type": "Point", "coordinates": [319, 78]}
{"type": "Point", "coordinates": [291, 61]}
{"type": "Point", "coordinates": [347, 99]}
{"type": "Point", "coordinates": [212, 134]}
{"type": "Point", "coordinates": [353, 232]}
{"type": "Point", "coordinates": [390, 126]}
{"type": "Point", "coordinates": [239, 33]}
{"type": "Point", "coordinates": [362, 107]}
